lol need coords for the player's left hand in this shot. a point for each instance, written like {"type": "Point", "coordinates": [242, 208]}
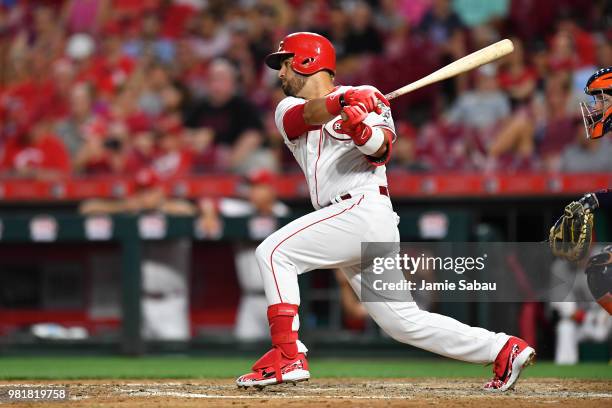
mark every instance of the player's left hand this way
{"type": "Point", "coordinates": [369, 98]}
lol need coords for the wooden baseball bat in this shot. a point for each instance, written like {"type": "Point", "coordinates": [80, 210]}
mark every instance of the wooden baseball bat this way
{"type": "Point", "coordinates": [467, 63]}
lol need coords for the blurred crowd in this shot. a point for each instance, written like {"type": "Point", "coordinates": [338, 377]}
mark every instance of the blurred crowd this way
{"type": "Point", "coordinates": [114, 87]}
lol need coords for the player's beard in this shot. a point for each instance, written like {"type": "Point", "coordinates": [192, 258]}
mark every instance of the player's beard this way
{"type": "Point", "coordinates": [291, 87]}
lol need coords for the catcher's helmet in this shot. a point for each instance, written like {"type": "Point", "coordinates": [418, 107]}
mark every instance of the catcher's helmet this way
{"type": "Point", "coordinates": [599, 278]}
{"type": "Point", "coordinates": [311, 53]}
{"type": "Point", "coordinates": [597, 116]}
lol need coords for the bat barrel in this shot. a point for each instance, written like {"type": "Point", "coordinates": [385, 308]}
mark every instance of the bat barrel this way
{"type": "Point", "coordinates": [464, 64]}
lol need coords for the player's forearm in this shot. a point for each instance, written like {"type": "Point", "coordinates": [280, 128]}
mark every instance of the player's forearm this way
{"type": "Point", "coordinates": [316, 112]}
{"type": "Point", "coordinates": [383, 154]}
{"type": "Point", "coordinates": [383, 149]}
{"type": "Point", "coordinates": [321, 110]}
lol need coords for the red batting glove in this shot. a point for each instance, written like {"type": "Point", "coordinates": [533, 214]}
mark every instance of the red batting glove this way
{"type": "Point", "coordinates": [368, 97]}
{"type": "Point", "coordinates": [334, 103]}
{"type": "Point", "coordinates": [352, 124]}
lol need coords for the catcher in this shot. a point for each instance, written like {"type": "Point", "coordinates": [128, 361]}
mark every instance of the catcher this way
{"type": "Point", "coordinates": [571, 236]}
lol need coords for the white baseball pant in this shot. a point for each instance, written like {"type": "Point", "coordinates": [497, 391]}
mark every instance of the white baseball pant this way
{"type": "Point", "coordinates": [331, 238]}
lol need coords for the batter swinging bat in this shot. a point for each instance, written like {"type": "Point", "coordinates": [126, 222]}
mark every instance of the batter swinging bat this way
{"type": "Point", "coordinates": [467, 63]}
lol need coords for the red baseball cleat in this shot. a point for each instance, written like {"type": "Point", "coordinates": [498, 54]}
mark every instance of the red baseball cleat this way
{"type": "Point", "coordinates": [513, 357]}
{"type": "Point", "coordinates": [264, 373]}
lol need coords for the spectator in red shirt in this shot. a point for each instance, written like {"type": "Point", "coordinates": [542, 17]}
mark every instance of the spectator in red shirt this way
{"type": "Point", "coordinates": [111, 69]}
{"type": "Point", "coordinates": [34, 152]}
{"type": "Point", "coordinates": [515, 77]}
{"type": "Point", "coordinates": [176, 15]}
{"type": "Point", "coordinates": [160, 141]}
{"type": "Point", "coordinates": [172, 159]}
{"type": "Point", "coordinates": [103, 150]}
{"type": "Point", "coordinates": [142, 145]}
{"type": "Point", "coordinates": [32, 87]}
{"type": "Point", "coordinates": [190, 68]}
{"type": "Point", "coordinates": [583, 42]}
{"type": "Point", "coordinates": [563, 54]}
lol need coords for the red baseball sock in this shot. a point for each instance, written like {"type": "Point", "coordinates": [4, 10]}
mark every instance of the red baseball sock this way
{"type": "Point", "coordinates": [280, 317]}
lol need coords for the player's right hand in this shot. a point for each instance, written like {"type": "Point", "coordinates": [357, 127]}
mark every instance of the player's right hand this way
{"type": "Point", "coordinates": [352, 124]}
{"type": "Point", "coordinates": [352, 118]}
{"type": "Point", "coordinates": [369, 97]}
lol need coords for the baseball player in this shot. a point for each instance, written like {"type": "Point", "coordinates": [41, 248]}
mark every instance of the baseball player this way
{"type": "Point", "coordinates": [570, 237]}
{"type": "Point", "coordinates": [342, 136]}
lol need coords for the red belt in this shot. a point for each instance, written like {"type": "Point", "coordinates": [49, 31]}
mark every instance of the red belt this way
{"type": "Point", "coordinates": [384, 190]}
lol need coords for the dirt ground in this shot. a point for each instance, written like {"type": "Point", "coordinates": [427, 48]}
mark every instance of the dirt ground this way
{"type": "Point", "coordinates": [321, 393]}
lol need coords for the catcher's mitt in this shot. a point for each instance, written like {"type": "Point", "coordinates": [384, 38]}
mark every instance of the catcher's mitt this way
{"type": "Point", "coordinates": [570, 237]}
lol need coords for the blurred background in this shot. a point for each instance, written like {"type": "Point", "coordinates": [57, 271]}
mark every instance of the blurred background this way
{"type": "Point", "coordinates": [140, 164]}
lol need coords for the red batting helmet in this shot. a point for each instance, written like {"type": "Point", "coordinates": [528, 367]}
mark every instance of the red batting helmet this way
{"type": "Point", "coordinates": [311, 53]}
{"type": "Point", "coordinates": [597, 116]}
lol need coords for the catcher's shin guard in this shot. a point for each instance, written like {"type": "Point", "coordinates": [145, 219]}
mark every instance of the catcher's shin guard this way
{"type": "Point", "coordinates": [286, 361]}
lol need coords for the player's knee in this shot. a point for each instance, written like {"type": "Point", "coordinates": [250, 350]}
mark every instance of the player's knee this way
{"type": "Point", "coordinates": [406, 322]}
{"type": "Point", "coordinates": [263, 252]}
{"type": "Point", "coordinates": [394, 330]}
{"type": "Point", "coordinates": [266, 249]}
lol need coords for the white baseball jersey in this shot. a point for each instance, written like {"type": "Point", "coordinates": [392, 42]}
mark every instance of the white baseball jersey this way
{"type": "Point", "coordinates": [329, 159]}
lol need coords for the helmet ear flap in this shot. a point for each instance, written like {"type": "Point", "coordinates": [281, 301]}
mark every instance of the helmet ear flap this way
{"type": "Point", "coordinates": [303, 63]}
